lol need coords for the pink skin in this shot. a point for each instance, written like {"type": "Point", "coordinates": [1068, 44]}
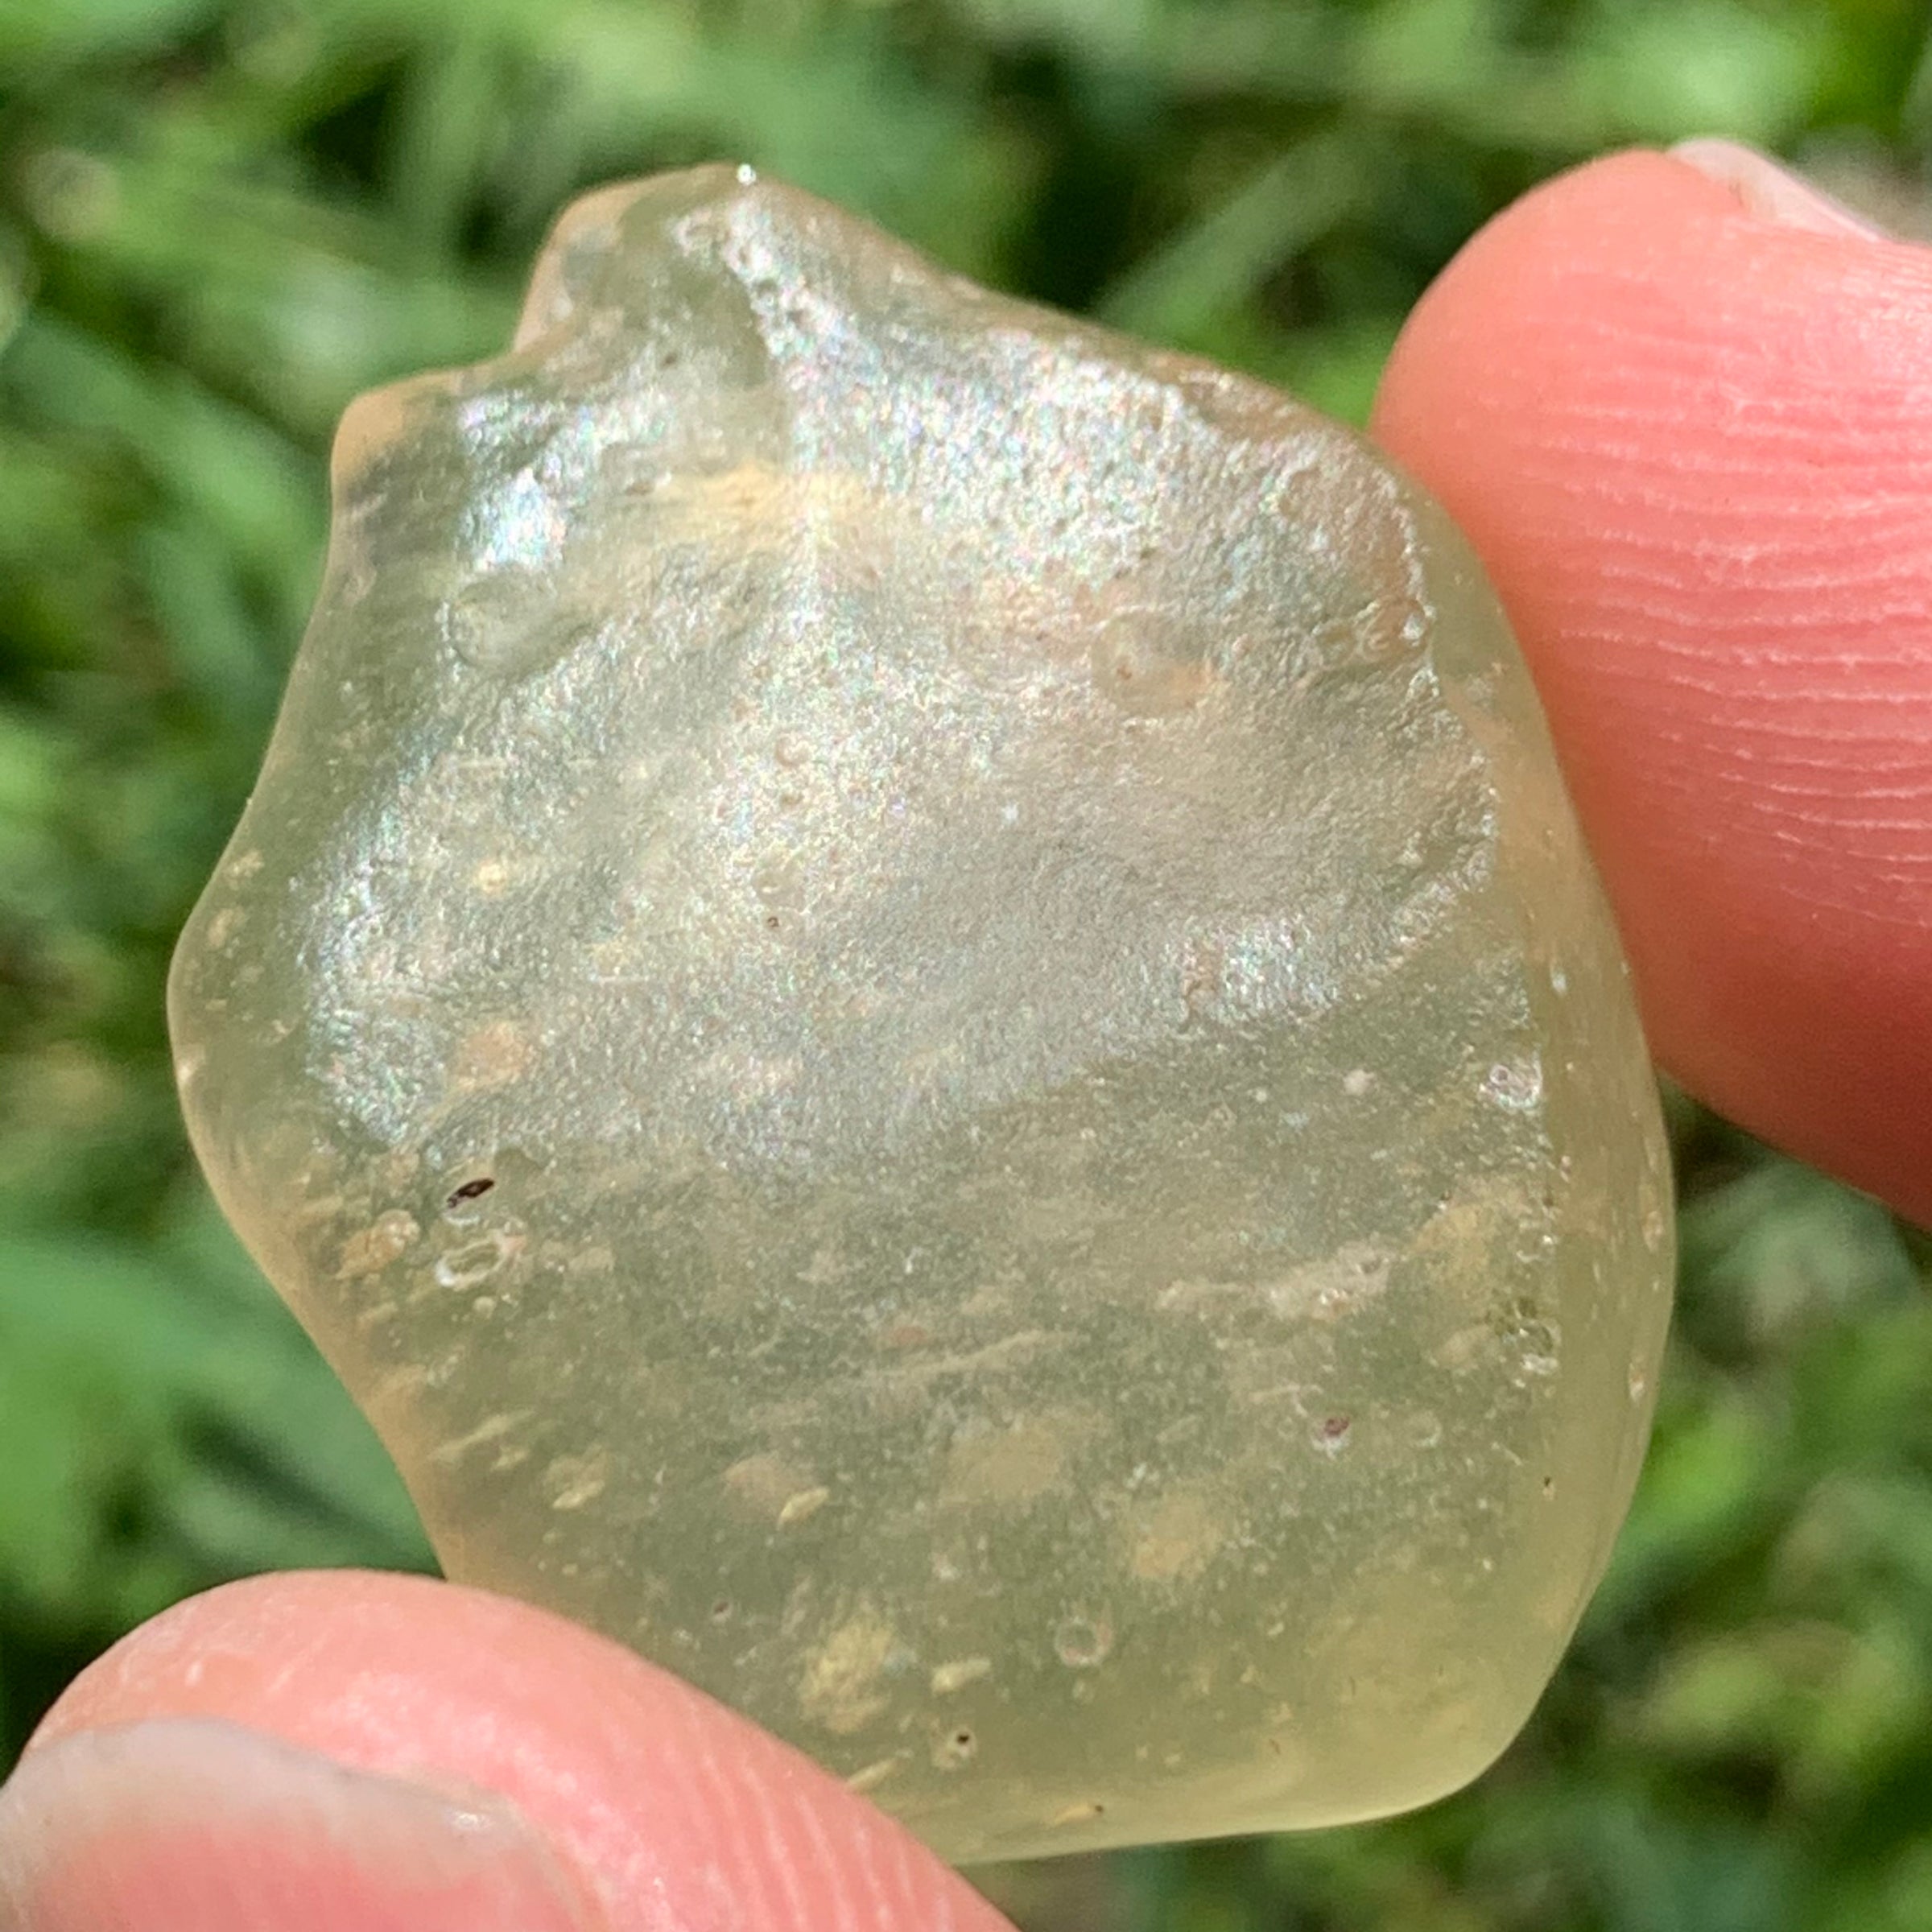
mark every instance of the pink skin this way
{"type": "Point", "coordinates": [1688, 440]}
{"type": "Point", "coordinates": [1679, 408]}
{"type": "Point", "coordinates": [654, 1808]}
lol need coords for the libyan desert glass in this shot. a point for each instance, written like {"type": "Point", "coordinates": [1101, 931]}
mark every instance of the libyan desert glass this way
{"type": "Point", "coordinates": [911, 995]}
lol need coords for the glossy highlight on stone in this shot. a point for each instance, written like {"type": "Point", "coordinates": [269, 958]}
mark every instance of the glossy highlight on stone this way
{"type": "Point", "coordinates": [911, 995]}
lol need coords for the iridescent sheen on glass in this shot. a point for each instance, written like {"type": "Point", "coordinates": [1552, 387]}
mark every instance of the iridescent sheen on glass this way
{"type": "Point", "coordinates": [911, 995]}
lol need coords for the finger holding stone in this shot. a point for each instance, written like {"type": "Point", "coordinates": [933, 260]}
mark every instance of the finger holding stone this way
{"type": "Point", "coordinates": [392, 1752]}
{"type": "Point", "coordinates": [1680, 403]}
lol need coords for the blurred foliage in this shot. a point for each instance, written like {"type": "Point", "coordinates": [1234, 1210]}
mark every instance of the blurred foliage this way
{"type": "Point", "coordinates": [221, 218]}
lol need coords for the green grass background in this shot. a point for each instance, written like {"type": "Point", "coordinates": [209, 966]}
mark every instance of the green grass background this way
{"type": "Point", "coordinates": [219, 219]}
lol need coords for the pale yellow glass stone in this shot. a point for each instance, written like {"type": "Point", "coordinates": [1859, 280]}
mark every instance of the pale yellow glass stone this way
{"type": "Point", "coordinates": [911, 995]}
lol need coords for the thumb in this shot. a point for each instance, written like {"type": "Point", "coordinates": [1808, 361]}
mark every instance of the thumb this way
{"type": "Point", "coordinates": [335, 1750]}
{"type": "Point", "coordinates": [1680, 407]}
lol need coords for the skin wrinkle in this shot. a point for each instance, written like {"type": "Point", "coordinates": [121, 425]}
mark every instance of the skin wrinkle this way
{"type": "Point", "coordinates": [1563, 503]}
{"type": "Point", "coordinates": [789, 1839]}
{"type": "Point", "coordinates": [638, 1856]}
{"type": "Point", "coordinates": [760, 1849]}
{"type": "Point", "coordinates": [838, 1914]}
{"type": "Point", "coordinates": [721, 1802]}
{"type": "Point", "coordinates": [1615, 312]}
{"type": "Point", "coordinates": [1749, 326]}
{"type": "Point", "coordinates": [1661, 681]}
{"type": "Point", "coordinates": [1763, 600]}
{"type": "Point", "coordinates": [1652, 678]}
{"type": "Point", "coordinates": [1738, 614]}
{"type": "Point", "coordinates": [1778, 811]}
{"type": "Point", "coordinates": [948, 1915]}
{"type": "Point", "coordinates": [1768, 530]}
{"type": "Point", "coordinates": [1793, 418]}
{"type": "Point", "coordinates": [896, 1857]}
{"type": "Point", "coordinates": [1790, 752]}
{"type": "Point", "coordinates": [874, 1888]}
{"type": "Point", "coordinates": [1777, 656]}
{"type": "Point", "coordinates": [1623, 590]}
{"type": "Point", "coordinates": [1750, 769]}
{"type": "Point", "coordinates": [870, 1891]}
{"type": "Point", "coordinates": [1625, 489]}
{"type": "Point", "coordinates": [1811, 690]}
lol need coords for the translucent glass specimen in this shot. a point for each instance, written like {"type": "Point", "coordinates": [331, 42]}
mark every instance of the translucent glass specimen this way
{"type": "Point", "coordinates": [911, 995]}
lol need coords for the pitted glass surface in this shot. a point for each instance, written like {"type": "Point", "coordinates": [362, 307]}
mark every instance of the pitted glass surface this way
{"type": "Point", "coordinates": [911, 995]}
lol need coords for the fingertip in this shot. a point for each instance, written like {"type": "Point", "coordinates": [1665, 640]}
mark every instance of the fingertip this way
{"type": "Point", "coordinates": [667, 1808]}
{"type": "Point", "coordinates": [1679, 411]}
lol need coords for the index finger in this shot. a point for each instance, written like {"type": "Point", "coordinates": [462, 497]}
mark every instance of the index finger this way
{"type": "Point", "coordinates": [1689, 437]}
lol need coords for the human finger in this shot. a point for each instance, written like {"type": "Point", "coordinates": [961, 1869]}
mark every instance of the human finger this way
{"type": "Point", "coordinates": [400, 1755]}
{"type": "Point", "coordinates": [1680, 404]}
